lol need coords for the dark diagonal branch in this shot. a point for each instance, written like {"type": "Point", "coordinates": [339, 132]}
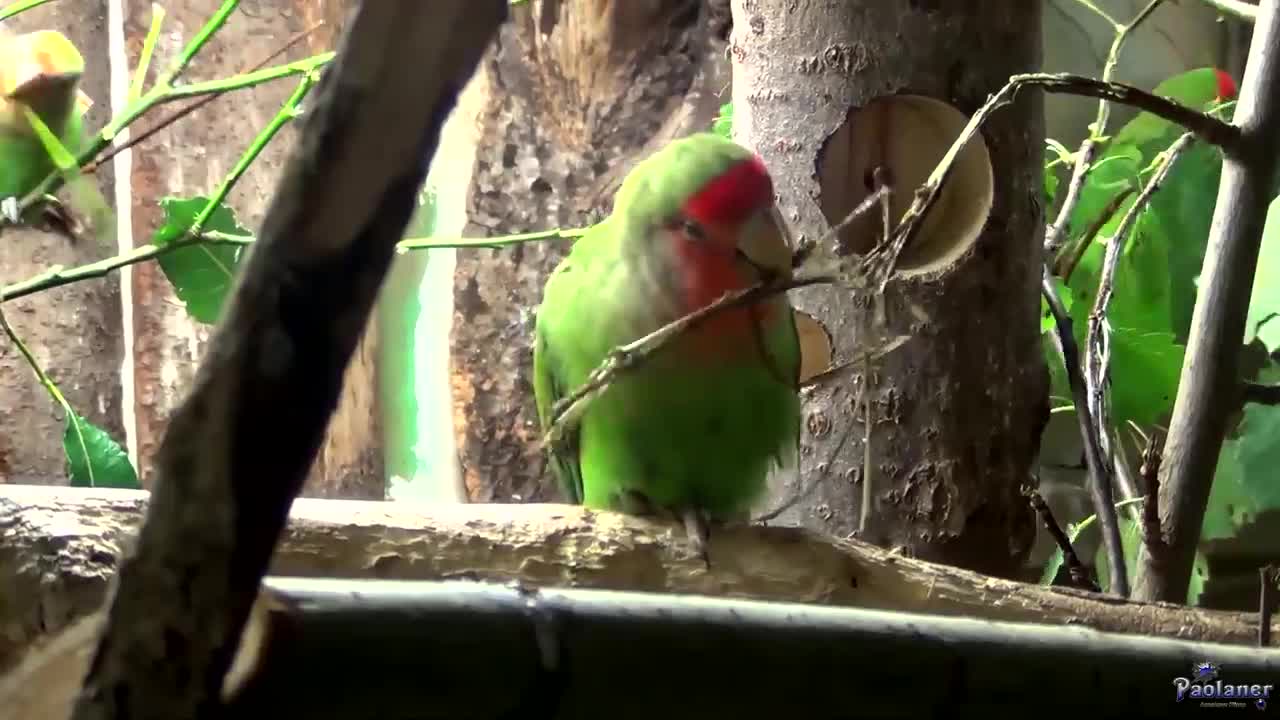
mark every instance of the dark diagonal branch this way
{"type": "Point", "coordinates": [237, 450]}
{"type": "Point", "coordinates": [1076, 569]}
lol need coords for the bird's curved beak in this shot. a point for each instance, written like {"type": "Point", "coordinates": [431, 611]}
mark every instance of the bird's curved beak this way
{"type": "Point", "coordinates": [764, 243]}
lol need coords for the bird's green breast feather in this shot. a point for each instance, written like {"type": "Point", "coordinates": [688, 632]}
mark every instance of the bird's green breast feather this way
{"type": "Point", "coordinates": [682, 429]}
{"type": "Point", "coordinates": [24, 161]}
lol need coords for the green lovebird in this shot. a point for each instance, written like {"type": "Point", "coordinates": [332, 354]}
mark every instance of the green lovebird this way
{"type": "Point", "coordinates": [692, 431]}
{"type": "Point", "coordinates": [39, 71]}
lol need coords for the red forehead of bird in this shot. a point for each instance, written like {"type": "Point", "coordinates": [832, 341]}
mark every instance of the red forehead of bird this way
{"type": "Point", "coordinates": [1226, 86]}
{"type": "Point", "coordinates": [730, 197]}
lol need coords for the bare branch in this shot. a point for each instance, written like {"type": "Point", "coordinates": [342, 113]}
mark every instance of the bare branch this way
{"type": "Point", "coordinates": [1207, 127]}
{"type": "Point", "coordinates": [1095, 459]}
{"type": "Point", "coordinates": [1079, 574]}
{"type": "Point", "coordinates": [175, 116]}
{"type": "Point", "coordinates": [1088, 148]}
{"type": "Point", "coordinates": [1208, 385]}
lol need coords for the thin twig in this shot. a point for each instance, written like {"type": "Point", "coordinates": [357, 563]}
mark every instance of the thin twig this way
{"type": "Point", "coordinates": [1098, 131]}
{"type": "Point", "coordinates": [1064, 264]}
{"type": "Point", "coordinates": [200, 102]}
{"type": "Point", "coordinates": [1064, 340]}
{"type": "Point", "coordinates": [866, 389]}
{"type": "Point", "coordinates": [1079, 574]}
{"type": "Point", "coordinates": [627, 358]}
{"type": "Point", "coordinates": [868, 354]}
{"type": "Point", "coordinates": [1098, 349]}
{"type": "Point", "coordinates": [1209, 128]}
{"type": "Point", "coordinates": [1053, 237]}
{"type": "Point", "coordinates": [1234, 8]}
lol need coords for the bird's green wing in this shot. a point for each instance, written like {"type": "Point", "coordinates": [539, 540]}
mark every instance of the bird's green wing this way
{"type": "Point", "coordinates": [549, 386]}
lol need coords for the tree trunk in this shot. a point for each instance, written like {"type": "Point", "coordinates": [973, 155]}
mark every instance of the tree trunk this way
{"type": "Point", "coordinates": [577, 93]}
{"type": "Point", "coordinates": [73, 331]}
{"type": "Point", "coordinates": [958, 409]}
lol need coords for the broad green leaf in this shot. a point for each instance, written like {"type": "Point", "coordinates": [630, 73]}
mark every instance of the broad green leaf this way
{"type": "Point", "coordinates": [201, 273]}
{"type": "Point", "coordinates": [1257, 449]}
{"type": "Point", "coordinates": [1263, 320]}
{"type": "Point", "coordinates": [1144, 375]}
{"type": "Point", "coordinates": [93, 458]}
{"type": "Point", "coordinates": [1229, 505]}
{"type": "Point", "coordinates": [1244, 482]}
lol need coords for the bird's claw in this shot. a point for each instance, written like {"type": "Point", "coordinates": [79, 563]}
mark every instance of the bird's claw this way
{"type": "Point", "coordinates": [9, 208]}
{"type": "Point", "coordinates": [698, 529]}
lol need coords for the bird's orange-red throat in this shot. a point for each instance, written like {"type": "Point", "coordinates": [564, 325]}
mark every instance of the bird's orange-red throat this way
{"type": "Point", "coordinates": [732, 203]}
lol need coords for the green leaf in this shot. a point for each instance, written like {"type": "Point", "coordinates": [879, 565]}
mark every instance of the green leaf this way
{"type": "Point", "coordinates": [1244, 483]}
{"type": "Point", "coordinates": [1264, 305]}
{"type": "Point", "coordinates": [1145, 367]}
{"type": "Point", "coordinates": [1258, 453]}
{"type": "Point", "coordinates": [93, 458]}
{"type": "Point", "coordinates": [723, 124]}
{"type": "Point", "coordinates": [201, 272]}
{"type": "Point", "coordinates": [1229, 506]}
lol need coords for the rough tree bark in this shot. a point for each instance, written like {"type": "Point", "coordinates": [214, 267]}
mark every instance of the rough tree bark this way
{"type": "Point", "coordinates": [74, 330]}
{"type": "Point", "coordinates": [192, 156]}
{"type": "Point", "coordinates": [959, 408]}
{"type": "Point", "coordinates": [577, 93]}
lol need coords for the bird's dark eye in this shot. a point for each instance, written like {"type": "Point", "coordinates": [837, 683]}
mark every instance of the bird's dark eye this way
{"type": "Point", "coordinates": [692, 229]}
